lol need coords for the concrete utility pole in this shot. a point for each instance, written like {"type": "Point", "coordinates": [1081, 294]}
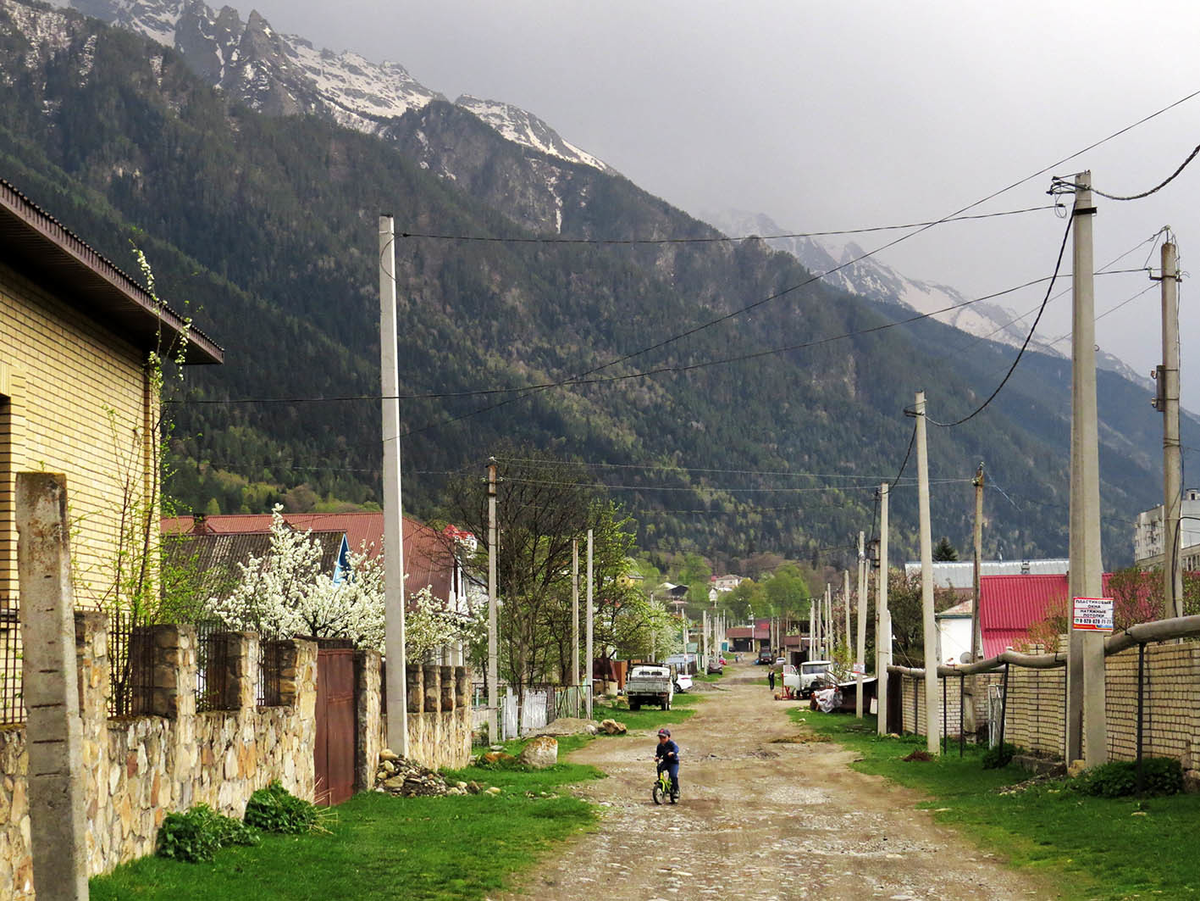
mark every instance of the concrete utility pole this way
{"type": "Point", "coordinates": [977, 556]}
{"type": "Point", "coordinates": [883, 619]}
{"type": "Point", "coordinates": [933, 726]}
{"type": "Point", "coordinates": [493, 666]}
{"type": "Point", "coordinates": [846, 594]}
{"type": "Point", "coordinates": [830, 630]}
{"type": "Point", "coordinates": [575, 612]}
{"type": "Point", "coordinates": [590, 615]}
{"type": "Point", "coordinates": [393, 512]}
{"type": "Point", "coordinates": [860, 650]}
{"type": "Point", "coordinates": [1085, 657]}
{"type": "Point", "coordinates": [704, 633]}
{"type": "Point", "coordinates": [54, 741]}
{"type": "Point", "coordinates": [1167, 401]}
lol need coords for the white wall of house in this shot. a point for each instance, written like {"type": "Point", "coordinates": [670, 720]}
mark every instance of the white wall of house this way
{"type": "Point", "coordinates": [954, 632]}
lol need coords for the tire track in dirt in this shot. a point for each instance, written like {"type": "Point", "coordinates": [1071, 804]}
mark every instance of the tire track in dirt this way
{"type": "Point", "coordinates": [759, 820]}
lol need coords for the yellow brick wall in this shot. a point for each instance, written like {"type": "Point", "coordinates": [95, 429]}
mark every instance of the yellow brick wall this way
{"type": "Point", "coordinates": [59, 373]}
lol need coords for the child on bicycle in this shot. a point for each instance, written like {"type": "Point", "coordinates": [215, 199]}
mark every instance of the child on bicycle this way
{"type": "Point", "coordinates": [667, 757]}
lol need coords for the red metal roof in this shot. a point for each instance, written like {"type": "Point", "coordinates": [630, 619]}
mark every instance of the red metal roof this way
{"type": "Point", "coordinates": [762, 629]}
{"type": "Point", "coordinates": [739, 632]}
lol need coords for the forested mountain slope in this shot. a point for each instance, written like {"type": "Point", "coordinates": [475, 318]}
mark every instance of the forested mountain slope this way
{"type": "Point", "coordinates": [268, 227]}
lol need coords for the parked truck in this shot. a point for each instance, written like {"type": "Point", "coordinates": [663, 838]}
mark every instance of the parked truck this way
{"type": "Point", "coordinates": [649, 683]}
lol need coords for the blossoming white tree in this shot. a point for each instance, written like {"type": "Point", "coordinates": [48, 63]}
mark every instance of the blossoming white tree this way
{"type": "Point", "coordinates": [286, 593]}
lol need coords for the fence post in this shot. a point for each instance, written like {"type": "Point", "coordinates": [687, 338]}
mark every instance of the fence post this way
{"type": "Point", "coordinates": [54, 735]}
{"type": "Point", "coordinates": [368, 709]}
{"type": "Point", "coordinates": [961, 731]}
{"type": "Point", "coordinates": [944, 723]}
{"type": "Point", "coordinates": [1003, 707]}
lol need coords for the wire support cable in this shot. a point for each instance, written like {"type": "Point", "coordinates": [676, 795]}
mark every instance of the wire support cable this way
{"type": "Point", "coordinates": [1158, 187]}
{"type": "Point", "coordinates": [1033, 328]}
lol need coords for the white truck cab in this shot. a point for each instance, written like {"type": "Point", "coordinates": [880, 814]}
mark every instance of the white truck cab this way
{"type": "Point", "coordinates": [800, 679]}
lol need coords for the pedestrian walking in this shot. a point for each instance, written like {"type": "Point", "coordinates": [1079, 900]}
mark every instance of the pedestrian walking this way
{"type": "Point", "coordinates": [771, 679]}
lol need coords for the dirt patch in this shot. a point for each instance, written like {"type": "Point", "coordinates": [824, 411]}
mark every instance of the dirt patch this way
{"type": "Point", "coordinates": [791, 823]}
{"type": "Point", "coordinates": [919, 756]}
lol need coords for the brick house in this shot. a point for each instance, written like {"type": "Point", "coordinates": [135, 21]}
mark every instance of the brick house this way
{"type": "Point", "coordinates": [75, 389]}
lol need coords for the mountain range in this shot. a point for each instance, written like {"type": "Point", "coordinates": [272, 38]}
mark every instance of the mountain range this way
{"type": "Point", "coordinates": [251, 168]}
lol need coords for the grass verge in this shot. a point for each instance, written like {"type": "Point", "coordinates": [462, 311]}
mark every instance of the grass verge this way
{"type": "Point", "coordinates": [650, 717]}
{"type": "Point", "coordinates": [384, 847]}
{"type": "Point", "coordinates": [1084, 847]}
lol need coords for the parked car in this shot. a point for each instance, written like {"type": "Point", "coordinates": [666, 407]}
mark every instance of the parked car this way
{"type": "Point", "coordinates": [765, 658]}
{"type": "Point", "coordinates": [683, 681]}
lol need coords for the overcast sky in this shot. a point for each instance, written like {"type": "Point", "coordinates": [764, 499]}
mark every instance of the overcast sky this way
{"type": "Point", "coordinates": [840, 115]}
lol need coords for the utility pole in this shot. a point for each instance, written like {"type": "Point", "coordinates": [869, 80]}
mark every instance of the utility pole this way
{"type": "Point", "coordinates": [861, 645]}
{"type": "Point", "coordinates": [933, 730]}
{"type": "Point", "coordinates": [591, 688]}
{"type": "Point", "coordinates": [1085, 656]}
{"type": "Point", "coordinates": [830, 631]}
{"type": "Point", "coordinates": [493, 666]}
{"type": "Point", "coordinates": [977, 556]}
{"type": "Point", "coordinates": [704, 634]}
{"type": "Point", "coordinates": [846, 594]}
{"type": "Point", "coordinates": [883, 621]}
{"type": "Point", "coordinates": [575, 612]}
{"type": "Point", "coordinates": [393, 511]}
{"type": "Point", "coordinates": [1167, 401]}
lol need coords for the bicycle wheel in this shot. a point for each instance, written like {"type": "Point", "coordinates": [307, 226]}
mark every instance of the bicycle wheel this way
{"type": "Point", "coordinates": [658, 793]}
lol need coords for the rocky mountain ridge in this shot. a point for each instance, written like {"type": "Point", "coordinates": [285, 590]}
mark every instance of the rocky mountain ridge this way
{"type": "Point", "coordinates": [281, 74]}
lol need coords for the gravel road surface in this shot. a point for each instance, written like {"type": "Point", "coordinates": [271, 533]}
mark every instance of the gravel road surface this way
{"type": "Point", "coordinates": [759, 820]}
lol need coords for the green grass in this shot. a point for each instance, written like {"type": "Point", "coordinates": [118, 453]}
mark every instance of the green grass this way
{"type": "Point", "coordinates": [649, 717]}
{"type": "Point", "coordinates": [705, 677]}
{"type": "Point", "coordinates": [1083, 847]}
{"type": "Point", "coordinates": [385, 847]}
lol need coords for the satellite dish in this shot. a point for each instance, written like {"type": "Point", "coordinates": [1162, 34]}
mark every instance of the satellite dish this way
{"type": "Point", "coordinates": [965, 657]}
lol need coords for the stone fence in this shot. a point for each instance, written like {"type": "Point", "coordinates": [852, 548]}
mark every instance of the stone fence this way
{"type": "Point", "coordinates": [136, 770]}
{"type": "Point", "coordinates": [1035, 709]}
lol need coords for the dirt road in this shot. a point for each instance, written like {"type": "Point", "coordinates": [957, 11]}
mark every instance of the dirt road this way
{"type": "Point", "coordinates": [759, 820]}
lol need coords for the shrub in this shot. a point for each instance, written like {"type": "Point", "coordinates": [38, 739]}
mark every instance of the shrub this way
{"type": "Point", "coordinates": [273, 809]}
{"type": "Point", "coordinates": [998, 757]}
{"type": "Point", "coordinates": [198, 834]}
{"type": "Point", "coordinates": [1160, 776]}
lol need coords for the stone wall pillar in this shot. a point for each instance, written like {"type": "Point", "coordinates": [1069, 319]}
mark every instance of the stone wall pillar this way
{"type": "Point", "coordinates": [415, 676]}
{"type": "Point", "coordinates": [447, 675]}
{"type": "Point", "coordinates": [298, 689]}
{"type": "Point", "coordinates": [173, 670]}
{"type": "Point", "coordinates": [368, 740]}
{"type": "Point", "coordinates": [462, 686]}
{"type": "Point", "coordinates": [49, 669]}
{"type": "Point", "coordinates": [241, 670]}
{"type": "Point", "coordinates": [433, 688]}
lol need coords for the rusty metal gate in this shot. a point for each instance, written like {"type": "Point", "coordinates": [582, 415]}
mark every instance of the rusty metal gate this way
{"type": "Point", "coordinates": [335, 734]}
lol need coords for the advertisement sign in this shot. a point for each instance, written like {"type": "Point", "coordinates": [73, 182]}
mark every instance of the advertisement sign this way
{"type": "Point", "coordinates": [1092, 615]}
{"type": "Point", "coordinates": [859, 669]}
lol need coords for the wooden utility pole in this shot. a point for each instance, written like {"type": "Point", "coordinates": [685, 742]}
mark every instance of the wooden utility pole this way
{"type": "Point", "coordinates": [1085, 656]}
{"type": "Point", "coordinates": [591, 690]}
{"type": "Point", "coordinates": [493, 665]}
{"type": "Point", "coordinates": [1167, 401]}
{"type": "Point", "coordinates": [393, 513]}
{"type": "Point", "coordinates": [977, 556]}
{"type": "Point", "coordinates": [933, 730]}
{"type": "Point", "coordinates": [860, 649]}
{"type": "Point", "coordinates": [883, 621]}
{"type": "Point", "coordinates": [575, 612]}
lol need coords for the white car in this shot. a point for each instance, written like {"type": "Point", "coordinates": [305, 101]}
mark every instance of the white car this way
{"type": "Point", "coordinates": [683, 682]}
{"type": "Point", "coordinates": [800, 679]}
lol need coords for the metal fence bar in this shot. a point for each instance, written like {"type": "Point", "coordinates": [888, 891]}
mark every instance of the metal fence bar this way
{"type": "Point", "coordinates": [269, 658]}
{"type": "Point", "coordinates": [12, 700]}
{"type": "Point", "coordinates": [131, 665]}
{"type": "Point", "coordinates": [212, 666]}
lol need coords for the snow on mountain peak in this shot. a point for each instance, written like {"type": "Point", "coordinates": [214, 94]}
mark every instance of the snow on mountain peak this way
{"type": "Point", "coordinates": [285, 74]}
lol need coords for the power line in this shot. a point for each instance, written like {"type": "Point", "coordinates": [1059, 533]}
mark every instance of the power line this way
{"type": "Point", "coordinates": [720, 239]}
{"type": "Point", "coordinates": [1061, 250]}
{"type": "Point", "coordinates": [1158, 187]}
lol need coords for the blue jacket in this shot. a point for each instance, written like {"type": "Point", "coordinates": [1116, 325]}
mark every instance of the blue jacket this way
{"type": "Point", "coordinates": [666, 748]}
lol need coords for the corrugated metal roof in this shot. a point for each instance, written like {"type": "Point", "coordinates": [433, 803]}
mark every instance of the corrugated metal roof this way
{"type": "Point", "coordinates": [1017, 602]}
{"type": "Point", "coordinates": [42, 248]}
{"type": "Point", "coordinates": [739, 632]}
{"type": "Point", "coordinates": [215, 557]}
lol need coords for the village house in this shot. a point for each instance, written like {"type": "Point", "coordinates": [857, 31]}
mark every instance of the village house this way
{"type": "Point", "coordinates": [76, 395]}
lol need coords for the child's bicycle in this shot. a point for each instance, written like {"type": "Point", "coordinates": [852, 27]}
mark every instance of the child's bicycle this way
{"type": "Point", "coordinates": [662, 789]}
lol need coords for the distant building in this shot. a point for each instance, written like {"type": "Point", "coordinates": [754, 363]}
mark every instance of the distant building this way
{"type": "Point", "coordinates": [960, 575]}
{"type": "Point", "coordinates": [721, 584]}
{"type": "Point", "coordinates": [1148, 538]}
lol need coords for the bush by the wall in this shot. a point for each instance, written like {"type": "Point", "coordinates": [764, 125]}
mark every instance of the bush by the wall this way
{"type": "Point", "coordinates": [273, 809]}
{"type": "Point", "coordinates": [999, 756]}
{"type": "Point", "coordinates": [199, 833]}
{"type": "Point", "coordinates": [1160, 776]}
